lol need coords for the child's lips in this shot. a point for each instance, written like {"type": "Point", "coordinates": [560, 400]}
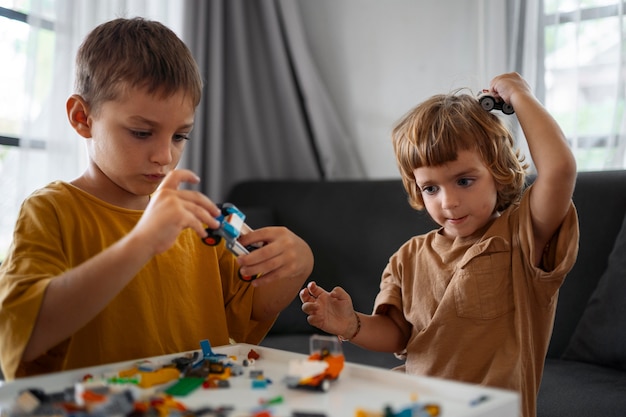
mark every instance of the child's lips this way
{"type": "Point", "coordinates": [457, 220]}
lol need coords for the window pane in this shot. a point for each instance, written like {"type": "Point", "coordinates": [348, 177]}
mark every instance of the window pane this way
{"type": "Point", "coordinates": [582, 73]}
{"type": "Point", "coordinates": [42, 8]}
{"type": "Point", "coordinates": [27, 83]}
{"type": "Point", "coordinates": [12, 50]}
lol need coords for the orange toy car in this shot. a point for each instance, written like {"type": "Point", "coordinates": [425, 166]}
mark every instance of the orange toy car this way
{"type": "Point", "coordinates": [323, 365]}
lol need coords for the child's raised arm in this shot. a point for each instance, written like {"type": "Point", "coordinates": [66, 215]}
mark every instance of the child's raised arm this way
{"type": "Point", "coordinates": [553, 159]}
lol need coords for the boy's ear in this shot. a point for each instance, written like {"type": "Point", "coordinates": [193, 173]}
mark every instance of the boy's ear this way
{"type": "Point", "coordinates": [78, 115]}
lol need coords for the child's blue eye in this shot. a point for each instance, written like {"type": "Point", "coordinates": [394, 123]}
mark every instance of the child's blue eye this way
{"type": "Point", "coordinates": [465, 182]}
{"type": "Point", "coordinates": [431, 189]}
{"type": "Point", "coordinates": [180, 138]}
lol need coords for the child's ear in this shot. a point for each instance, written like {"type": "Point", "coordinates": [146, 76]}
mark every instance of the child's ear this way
{"type": "Point", "coordinates": [78, 115]}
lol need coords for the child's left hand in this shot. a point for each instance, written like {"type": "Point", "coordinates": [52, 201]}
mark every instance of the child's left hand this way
{"type": "Point", "coordinates": [283, 255]}
{"type": "Point", "coordinates": [331, 312]}
{"type": "Point", "coordinates": [508, 86]}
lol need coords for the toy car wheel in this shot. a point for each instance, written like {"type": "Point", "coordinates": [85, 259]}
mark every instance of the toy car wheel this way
{"type": "Point", "coordinates": [247, 278]}
{"type": "Point", "coordinates": [325, 385]}
{"type": "Point", "coordinates": [507, 108]}
{"type": "Point", "coordinates": [487, 103]}
{"type": "Point", "coordinates": [212, 240]}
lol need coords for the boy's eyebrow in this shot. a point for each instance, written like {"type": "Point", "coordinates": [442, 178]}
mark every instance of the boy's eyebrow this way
{"type": "Point", "coordinates": [153, 123]}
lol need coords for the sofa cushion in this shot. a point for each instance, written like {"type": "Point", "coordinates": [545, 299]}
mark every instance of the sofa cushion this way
{"type": "Point", "coordinates": [571, 388]}
{"type": "Point", "coordinates": [600, 336]}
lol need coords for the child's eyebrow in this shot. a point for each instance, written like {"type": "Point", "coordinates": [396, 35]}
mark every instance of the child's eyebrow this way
{"type": "Point", "coordinates": [471, 171]}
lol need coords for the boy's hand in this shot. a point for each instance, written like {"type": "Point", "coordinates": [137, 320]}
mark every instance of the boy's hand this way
{"type": "Point", "coordinates": [331, 312]}
{"type": "Point", "coordinates": [283, 255]}
{"type": "Point", "coordinates": [172, 210]}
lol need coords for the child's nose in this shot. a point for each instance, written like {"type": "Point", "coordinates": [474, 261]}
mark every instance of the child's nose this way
{"type": "Point", "coordinates": [449, 199]}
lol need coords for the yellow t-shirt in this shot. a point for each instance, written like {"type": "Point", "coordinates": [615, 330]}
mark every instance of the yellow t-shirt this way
{"type": "Point", "coordinates": [481, 312]}
{"type": "Point", "coordinates": [189, 293]}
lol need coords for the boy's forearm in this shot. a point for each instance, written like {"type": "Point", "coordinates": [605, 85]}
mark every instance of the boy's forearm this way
{"type": "Point", "coordinates": [72, 299]}
{"type": "Point", "coordinates": [271, 299]}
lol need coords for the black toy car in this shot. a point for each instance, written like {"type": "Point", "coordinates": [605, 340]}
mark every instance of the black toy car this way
{"type": "Point", "coordinates": [489, 102]}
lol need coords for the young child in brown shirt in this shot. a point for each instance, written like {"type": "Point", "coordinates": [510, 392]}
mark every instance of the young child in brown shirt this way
{"type": "Point", "coordinates": [474, 300]}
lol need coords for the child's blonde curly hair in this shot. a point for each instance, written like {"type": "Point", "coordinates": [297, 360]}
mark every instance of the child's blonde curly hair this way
{"type": "Point", "coordinates": [433, 132]}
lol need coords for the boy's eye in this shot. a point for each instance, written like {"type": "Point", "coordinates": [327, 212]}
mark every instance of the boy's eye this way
{"type": "Point", "coordinates": [180, 137]}
{"type": "Point", "coordinates": [140, 134]}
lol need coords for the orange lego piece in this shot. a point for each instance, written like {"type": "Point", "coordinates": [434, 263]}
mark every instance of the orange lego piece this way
{"type": "Point", "coordinates": [160, 376]}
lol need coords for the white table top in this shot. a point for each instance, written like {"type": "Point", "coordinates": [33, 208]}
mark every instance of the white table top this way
{"type": "Point", "coordinates": [358, 387]}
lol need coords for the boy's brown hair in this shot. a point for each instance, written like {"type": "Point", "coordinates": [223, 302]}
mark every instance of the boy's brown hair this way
{"type": "Point", "coordinates": [432, 133]}
{"type": "Point", "coordinates": [134, 53]}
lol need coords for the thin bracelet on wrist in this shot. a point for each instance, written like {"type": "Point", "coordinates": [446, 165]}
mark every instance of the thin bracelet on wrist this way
{"type": "Point", "coordinates": [358, 329]}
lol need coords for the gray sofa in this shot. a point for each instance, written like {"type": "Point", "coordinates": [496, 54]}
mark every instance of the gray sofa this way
{"type": "Point", "coordinates": [354, 226]}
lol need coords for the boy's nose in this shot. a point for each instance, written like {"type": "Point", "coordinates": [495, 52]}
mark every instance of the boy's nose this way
{"type": "Point", "coordinates": [162, 153]}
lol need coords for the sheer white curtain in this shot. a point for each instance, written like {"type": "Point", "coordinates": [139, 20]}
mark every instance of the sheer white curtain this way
{"type": "Point", "coordinates": [49, 149]}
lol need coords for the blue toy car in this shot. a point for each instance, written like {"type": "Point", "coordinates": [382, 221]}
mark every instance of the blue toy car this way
{"type": "Point", "coordinates": [232, 225]}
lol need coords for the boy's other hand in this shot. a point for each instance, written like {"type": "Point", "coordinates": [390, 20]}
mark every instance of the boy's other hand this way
{"type": "Point", "coordinates": [283, 255]}
{"type": "Point", "coordinates": [171, 210]}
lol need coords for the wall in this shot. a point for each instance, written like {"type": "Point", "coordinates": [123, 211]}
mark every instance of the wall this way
{"type": "Point", "coordinates": [381, 58]}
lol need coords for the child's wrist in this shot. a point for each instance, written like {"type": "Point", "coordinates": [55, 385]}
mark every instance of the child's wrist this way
{"type": "Point", "coordinates": [356, 329]}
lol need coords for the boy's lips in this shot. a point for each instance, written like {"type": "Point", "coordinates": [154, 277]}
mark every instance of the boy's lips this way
{"type": "Point", "coordinates": [155, 177]}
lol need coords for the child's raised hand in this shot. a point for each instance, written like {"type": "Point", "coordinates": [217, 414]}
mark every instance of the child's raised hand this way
{"type": "Point", "coordinates": [507, 86]}
{"type": "Point", "coordinates": [172, 210]}
{"type": "Point", "coordinates": [331, 312]}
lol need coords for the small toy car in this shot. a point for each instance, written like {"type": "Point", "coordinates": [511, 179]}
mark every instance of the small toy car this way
{"type": "Point", "coordinates": [489, 102]}
{"type": "Point", "coordinates": [324, 364]}
{"type": "Point", "coordinates": [232, 226]}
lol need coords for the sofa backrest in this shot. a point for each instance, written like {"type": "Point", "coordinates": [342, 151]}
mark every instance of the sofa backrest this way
{"type": "Point", "coordinates": [600, 199]}
{"type": "Point", "coordinates": [353, 227]}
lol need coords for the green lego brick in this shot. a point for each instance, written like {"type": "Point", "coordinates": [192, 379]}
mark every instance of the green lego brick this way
{"type": "Point", "coordinates": [184, 386]}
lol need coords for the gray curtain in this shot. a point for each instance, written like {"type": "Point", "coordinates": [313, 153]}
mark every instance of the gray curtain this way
{"type": "Point", "coordinates": [525, 42]}
{"type": "Point", "coordinates": [525, 45]}
{"type": "Point", "coordinates": [265, 113]}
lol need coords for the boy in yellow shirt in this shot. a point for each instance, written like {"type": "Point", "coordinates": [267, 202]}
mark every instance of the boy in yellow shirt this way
{"type": "Point", "coordinates": [111, 265]}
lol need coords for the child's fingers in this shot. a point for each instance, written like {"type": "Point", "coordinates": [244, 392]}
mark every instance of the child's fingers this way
{"type": "Point", "coordinates": [310, 292]}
